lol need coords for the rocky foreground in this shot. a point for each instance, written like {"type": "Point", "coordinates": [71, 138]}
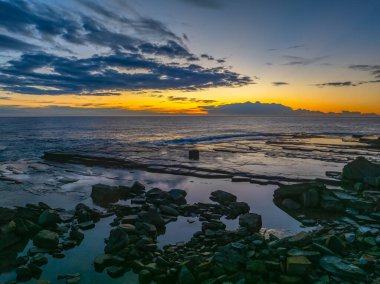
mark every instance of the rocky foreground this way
{"type": "Point", "coordinates": [344, 247]}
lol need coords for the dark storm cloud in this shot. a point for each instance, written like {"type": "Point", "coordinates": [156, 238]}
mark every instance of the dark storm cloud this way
{"type": "Point", "coordinates": [131, 63]}
{"type": "Point", "coordinates": [108, 72]}
{"type": "Point", "coordinates": [10, 43]}
{"type": "Point", "coordinates": [211, 4]}
{"type": "Point", "coordinates": [298, 60]}
{"type": "Point", "coordinates": [278, 84]}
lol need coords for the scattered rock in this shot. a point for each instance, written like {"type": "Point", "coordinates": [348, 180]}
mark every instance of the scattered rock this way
{"type": "Point", "coordinates": [251, 221]}
{"type": "Point", "coordinates": [46, 239]}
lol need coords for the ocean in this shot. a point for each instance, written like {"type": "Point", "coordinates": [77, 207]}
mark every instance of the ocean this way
{"type": "Point", "coordinates": [28, 137]}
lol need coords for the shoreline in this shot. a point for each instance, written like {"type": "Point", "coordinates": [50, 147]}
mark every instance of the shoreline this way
{"type": "Point", "coordinates": [319, 254]}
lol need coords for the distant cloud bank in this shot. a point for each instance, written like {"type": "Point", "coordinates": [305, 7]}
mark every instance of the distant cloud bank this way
{"type": "Point", "coordinates": [258, 108]}
{"type": "Point", "coordinates": [236, 109]}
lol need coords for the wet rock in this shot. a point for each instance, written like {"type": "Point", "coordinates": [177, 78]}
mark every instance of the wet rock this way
{"type": "Point", "coordinates": [194, 154]}
{"type": "Point", "coordinates": [338, 267]}
{"type": "Point", "coordinates": [168, 210]}
{"type": "Point", "coordinates": [86, 225]}
{"type": "Point", "coordinates": [115, 271]}
{"type": "Point", "coordinates": [350, 237]}
{"type": "Point", "coordinates": [298, 265]}
{"type": "Point", "coordinates": [35, 270]}
{"type": "Point", "coordinates": [23, 273]}
{"type": "Point", "coordinates": [300, 239]}
{"type": "Point", "coordinates": [213, 225]}
{"type": "Point", "coordinates": [256, 266]}
{"type": "Point", "coordinates": [118, 240]}
{"type": "Point", "coordinates": [39, 259]}
{"type": "Point", "coordinates": [222, 197]}
{"type": "Point", "coordinates": [103, 194]}
{"type": "Point", "coordinates": [286, 279]}
{"type": "Point", "coordinates": [137, 187]}
{"type": "Point", "coordinates": [313, 256]}
{"type": "Point", "coordinates": [103, 261]}
{"type": "Point", "coordinates": [6, 215]}
{"type": "Point", "coordinates": [331, 203]}
{"type": "Point", "coordinates": [335, 244]}
{"type": "Point", "coordinates": [76, 235]}
{"type": "Point", "coordinates": [360, 170]}
{"type": "Point", "coordinates": [251, 221]}
{"type": "Point", "coordinates": [46, 239]}
{"type": "Point", "coordinates": [290, 204]}
{"type": "Point", "coordinates": [48, 218]}
{"type": "Point", "coordinates": [178, 196]}
{"type": "Point", "coordinates": [128, 228]}
{"type": "Point", "coordinates": [152, 217]}
{"type": "Point", "coordinates": [237, 208]}
{"type": "Point", "coordinates": [310, 198]}
{"type": "Point", "coordinates": [130, 219]}
{"type": "Point", "coordinates": [145, 277]}
{"type": "Point", "coordinates": [186, 276]}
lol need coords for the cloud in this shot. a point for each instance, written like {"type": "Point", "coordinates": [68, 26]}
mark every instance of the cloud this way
{"type": "Point", "coordinates": [346, 84]}
{"type": "Point", "coordinates": [85, 110]}
{"type": "Point", "coordinates": [133, 53]}
{"type": "Point", "coordinates": [298, 60]}
{"type": "Point", "coordinates": [5, 98]}
{"type": "Point", "coordinates": [337, 84]}
{"type": "Point", "coordinates": [278, 84]}
{"type": "Point", "coordinates": [186, 99]}
{"type": "Point", "coordinates": [210, 4]}
{"type": "Point", "coordinates": [373, 69]}
{"type": "Point", "coordinates": [100, 94]}
{"type": "Point", "coordinates": [119, 71]}
{"type": "Point", "coordinates": [10, 43]}
{"type": "Point", "coordinates": [258, 108]}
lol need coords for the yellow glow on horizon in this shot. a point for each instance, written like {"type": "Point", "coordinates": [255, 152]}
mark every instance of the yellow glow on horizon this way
{"type": "Point", "coordinates": [361, 98]}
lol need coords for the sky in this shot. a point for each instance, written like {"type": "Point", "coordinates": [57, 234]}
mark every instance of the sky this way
{"type": "Point", "coordinates": [143, 57]}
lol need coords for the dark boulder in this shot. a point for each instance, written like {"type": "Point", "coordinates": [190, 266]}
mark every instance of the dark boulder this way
{"type": "Point", "coordinates": [222, 197]}
{"type": "Point", "coordinates": [251, 221]}
{"type": "Point", "coordinates": [361, 170]}
{"type": "Point", "coordinates": [118, 240]}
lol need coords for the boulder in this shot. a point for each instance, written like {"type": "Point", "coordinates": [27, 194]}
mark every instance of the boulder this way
{"type": "Point", "coordinates": [186, 276]}
{"type": "Point", "coordinates": [103, 261]}
{"type": "Point", "coordinates": [338, 267]}
{"type": "Point", "coordinates": [237, 208]}
{"type": "Point", "coordinates": [178, 196]}
{"type": "Point", "coordinates": [138, 187]}
{"type": "Point", "coordinates": [118, 240]}
{"type": "Point", "coordinates": [48, 218]}
{"type": "Point", "coordinates": [153, 217]}
{"type": "Point", "coordinates": [297, 190]}
{"type": "Point", "coordinates": [103, 194]}
{"type": "Point", "coordinates": [250, 221]}
{"type": "Point", "coordinates": [46, 239]}
{"type": "Point", "coordinates": [222, 197]}
{"type": "Point", "coordinates": [290, 204]}
{"type": "Point", "coordinates": [310, 198]}
{"type": "Point", "coordinates": [6, 215]}
{"type": "Point", "coordinates": [298, 265]}
{"type": "Point", "coordinates": [168, 210]}
{"type": "Point", "coordinates": [360, 170]}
